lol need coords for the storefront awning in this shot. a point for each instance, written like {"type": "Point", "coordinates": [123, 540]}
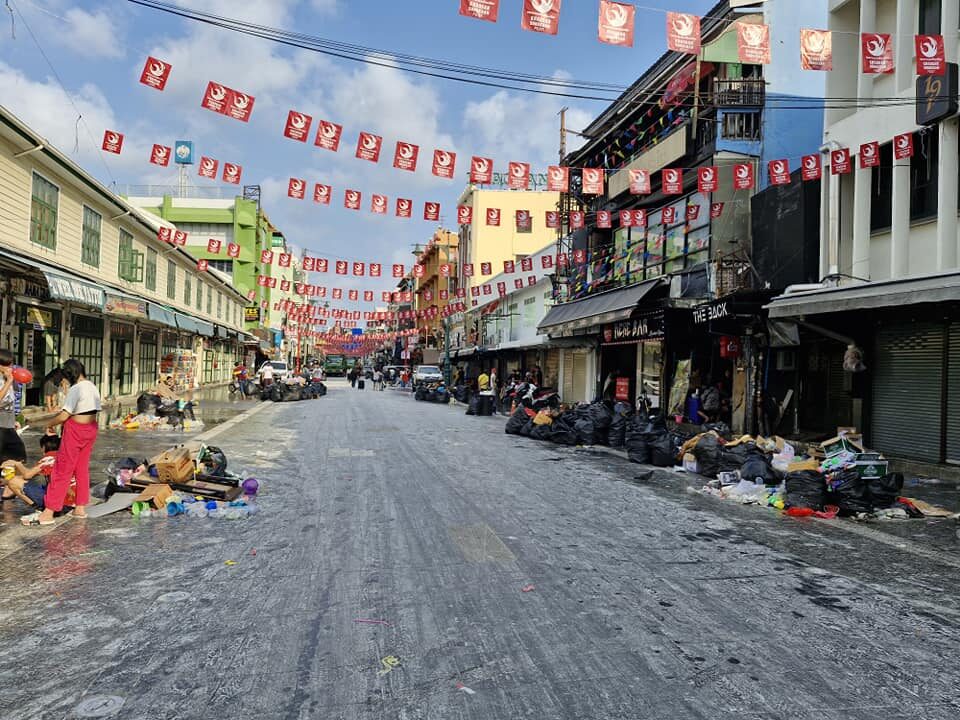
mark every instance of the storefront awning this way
{"type": "Point", "coordinates": [160, 314]}
{"type": "Point", "coordinates": [72, 289]}
{"type": "Point", "coordinates": [609, 307]}
{"type": "Point", "coordinates": [193, 325]}
{"type": "Point", "coordinates": [893, 293]}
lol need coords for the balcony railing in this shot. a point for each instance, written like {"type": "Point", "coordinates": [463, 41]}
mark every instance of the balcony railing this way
{"type": "Point", "coordinates": [740, 92]}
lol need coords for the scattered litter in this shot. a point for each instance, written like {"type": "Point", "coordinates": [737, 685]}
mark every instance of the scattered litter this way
{"type": "Point", "coordinates": [229, 562]}
{"type": "Point", "coordinates": [253, 552]}
{"type": "Point", "coordinates": [371, 622]}
{"type": "Point", "coordinates": [173, 597]}
{"type": "Point", "coordinates": [389, 663]}
{"type": "Point", "coordinates": [528, 588]}
{"type": "Point", "coordinates": [463, 688]}
{"type": "Point", "coordinates": [99, 706]}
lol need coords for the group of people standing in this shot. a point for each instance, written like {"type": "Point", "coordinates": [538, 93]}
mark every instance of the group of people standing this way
{"type": "Point", "coordinates": [488, 383]}
{"type": "Point", "coordinates": [67, 444]}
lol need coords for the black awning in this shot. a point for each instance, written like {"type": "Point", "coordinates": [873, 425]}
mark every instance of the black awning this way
{"type": "Point", "coordinates": [612, 306]}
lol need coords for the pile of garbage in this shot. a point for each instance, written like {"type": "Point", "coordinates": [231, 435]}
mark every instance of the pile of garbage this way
{"type": "Point", "coordinates": [432, 392]}
{"type": "Point", "coordinates": [293, 389]}
{"type": "Point", "coordinates": [194, 507]}
{"type": "Point", "coordinates": [144, 421]}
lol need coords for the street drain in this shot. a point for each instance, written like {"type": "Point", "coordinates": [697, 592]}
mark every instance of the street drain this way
{"type": "Point", "coordinates": [99, 706]}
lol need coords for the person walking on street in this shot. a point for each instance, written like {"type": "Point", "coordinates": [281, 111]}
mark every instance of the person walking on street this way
{"type": "Point", "coordinates": [377, 379]}
{"type": "Point", "coordinates": [79, 435]}
{"type": "Point", "coordinates": [494, 390]}
{"type": "Point", "coordinates": [11, 444]}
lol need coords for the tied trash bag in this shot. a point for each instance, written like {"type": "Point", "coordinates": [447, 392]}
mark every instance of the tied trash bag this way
{"type": "Point", "coordinates": [849, 492]}
{"type": "Point", "coordinates": [474, 405]}
{"type": "Point", "coordinates": [884, 490]}
{"type": "Point", "coordinates": [720, 428]}
{"type": "Point", "coordinates": [757, 468]}
{"type": "Point", "coordinates": [585, 430]}
{"type": "Point", "coordinates": [516, 422]}
{"type": "Point", "coordinates": [541, 432]}
{"type": "Point", "coordinates": [561, 432]}
{"type": "Point", "coordinates": [733, 459]}
{"type": "Point", "coordinates": [663, 451]}
{"type": "Point", "coordinates": [806, 489]}
{"type": "Point", "coordinates": [707, 453]}
{"type": "Point", "coordinates": [635, 439]}
{"type": "Point", "coordinates": [602, 416]}
{"type": "Point", "coordinates": [617, 433]}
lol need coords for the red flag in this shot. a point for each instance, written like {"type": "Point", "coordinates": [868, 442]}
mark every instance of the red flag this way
{"type": "Point", "coordinates": [558, 179]}
{"type": "Point", "coordinates": [398, 270]}
{"type": "Point", "coordinates": [112, 142]}
{"type": "Point", "coordinates": [323, 265]}
{"type": "Point", "coordinates": [531, 280]}
{"type": "Point", "coordinates": [519, 174]}
{"type": "Point", "coordinates": [603, 219]}
{"type": "Point", "coordinates": [358, 269]}
{"type": "Point", "coordinates": [639, 182]}
{"type": "Point", "coordinates": [509, 266]}
{"type": "Point", "coordinates": [202, 265]}
{"type": "Point", "coordinates": [404, 208]}
{"type": "Point", "coordinates": [552, 219]}
{"type": "Point", "coordinates": [155, 73]}
{"type": "Point", "coordinates": [579, 256]}
{"type": "Point", "coordinates": [419, 271]}
{"type": "Point", "coordinates": [374, 269]}
{"type": "Point", "coordinates": [542, 16]}
{"type": "Point", "coordinates": [405, 156]}
{"type": "Point", "coordinates": [240, 106]}
{"type": "Point", "coordinates": [876, 52]}
{"type": "Point", "coordinates": [464, 214]}
{"type": "Point", "coordinates": [811, 168]}
{"type": "Point", "coordinates": [716, 210]}
{"type": "Point", "coordinates": [284, 260]}
{"type": "Point", "coordinates": [683, 33]}
{"type": "Point", "coordinates": [639, 218]}
{"type": "Point", "coordinates": [592, 181]}
{"type": "Point", "coordinates": [215, 98]}
{"type": "Point", "coordinates": [577, 219]}
{"type": "Point", "coordinates": [779, 172]}
{"type": "Point", "coordinates": [669, 215]}
{"type": "Point", "coordinates": [493, 217]}
{"type": "Point", "coordinates": [309, 264]}
{"type": "Point", "coordinates": [351, 199]}
{"type": "Point", "coordinates": [526, 264]}
{"type": "Point", "coordinates": [672, 180]}
{"type": "Point", "coordinates": [233, 250]}
{"type": "Point", "coordinates": [328, 135]}
{"type": "Point", "coordinates": [298, 126]}
{"type": "Point", "coordinates": [444, 164]}
{"type": "Point", "coordinates": [816, 49]}
{"type": "Point", "coordinates": [368, 147]}
{"type": "Point", "coordinates": [341, 267]}
{"type": "Point", "coordinates": [378, 204]}
{"type": "Point", "coordinates": [518, 283]}
{"type": "Point", "coordinates": [321, 193]}
{"type": "Point", "coordinates": [266, 257]}
{"type": "Point", "coordinates": [368, 295]}
{"type": "Point", "coordinates": [208, 168]}
{"type": "Point", "coordinates": [487, 290]}
{"type": "Point", "coordinates": [524, 221]}
{"type": "Point", "coordinates": [486, 268]}
{"type": "Point", "coordinates": [160, 155]}
{"type": "Point", "coordinates": [353, 294]}
{"type": "Point", "coordinates": [743, 176]}
{"type": "Point", "coordinates": [840, 162]}
{"type": "Point", "coordinates": [468, 270]}
{"type": "Point", "coordinates": [502, 289]}
{"type": "Point", "coordinates": [445, 270]}
{"type": "Point", "coordinates": [931, 55]}
{"type": "Point", "coordinates": [870, 155]}
{"type": "Point", "coordinates": [232, 173]}
{"type": "Point", "coordinates": [753, 43]}
{"type": "Point", "coordinates": [296, 188]}
{"type": "Point", "coordinates": [337, 294]}
{"type": "Point", "coordinates": [616, 23]}
{"type": "Point", "coordinates": [386, 296]}
{"type": "Point", "coordinates": [708, 179]}
{"type": "Point", "coordinates": [546, 262]}
{"type": "Point", "coordinates": [481, 170]}
{"type": "Point", "coordinates": [214, 246]}
{"type": "Point", "coordinates": [626, 218]}
{"type": "Point", "coordinates": [431, 211]}
{"type": "Point", "coordinates": [903, 146]}
{"type": "Point", "coordinates": [480, 9]}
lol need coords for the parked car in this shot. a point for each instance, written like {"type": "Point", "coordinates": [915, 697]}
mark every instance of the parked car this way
{"type": "Point", "coordinates": [281, 371]}
{"type": "Point", "coordinates": [426, 374]}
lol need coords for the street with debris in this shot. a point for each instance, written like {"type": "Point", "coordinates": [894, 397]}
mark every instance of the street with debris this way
{"type": "Point", "coordinates": [408, 560]}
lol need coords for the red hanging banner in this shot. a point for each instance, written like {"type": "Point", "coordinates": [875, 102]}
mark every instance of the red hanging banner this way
{"type": "Point", "coordinates": [577, 219]}
{"type": "Point", "coordinates": [877, 53]}
{"type": "Point", "coordinates": [233, 250]}
{"type": "Point", "coordinates": [481, 170]}
{"type": "Point", "coordinates": [509, 267]}
{"type": "Point", "coordinates": [266, 257]}
{"type": "Point", "coordinates": [542, 16]}
{"type": "Point", "coordinates": [296, 188]}
{"type": "Point", "coordinates": [639, 218]}
{"type": "Point", "coordinates": [328, 135]}
{"type": "Point", "coordinates": [444, 164]}
{"type": "Point", "coordinates": [284, 260]}
{"type": "Point", "coordinates": [604, 219]}
{"type": "Point", "coordinates": [321, 194]}
{"type": "Point", "coordinates": [351, 199]}
{"type": "Point", "coordinates": [298, 126]}
{"type": "Point", "coordinates": [526, 264]}
{"type": "Point", "coordinates": [480, 9]}
{"type": "Point", "coordinates": [155, 73]}
{"type": "Point", "coordinates": [558, 179]}
{"type": "Point", "coordinates": [615, 25]}
{"type": "Point", "coordinates": [552, 219]}
{"type": "Point", "coordinates": [931, 55]}
{"type": "Point", "coordinates": [486, 268]}
{"type": "Point", "coordinates": [375, 269]}
{"type": "Point", "coordinates": [811, 168]}
{"type": "Point", "coordinates": [626, 218]}
{"type": "Point", "coordinates": [464, 214]}
{"type": "Point", "coordinates": [160, 155]}
{"type": "Point", "coordinates": [215, 98]}
{"type": "Point", "coordinates": [232, 173]}
{"type": "Point", "coordinates": [683, 33]}
{"type": "Point", "coordinates": [524, 221]}
{"type": "Point", "coordinates": [112, 142]}
{"type": "Point", "coordinates": [816, 49]}
{"type": "Point", "coordinates": [404, 208]}
{"type": "Point", "coordinates": [493, 217]}
{"type": "Point", "coordinates": [708, 179]}
{"type": "Point", "coordinates": [368, 147]}
{"type": "Point", "coordinates": [546, 262]}
{"type": "Point", "coordinates": [870, 155]}
{"type": "Point", "coordinates": [753, 43]}
{"type": "Point", "coordinates": [378, 204]}
{"type": "Point", "coordinates": [672, 180]}
{"type": "Point", "coordinates": [519, 176]}
{"type": "Point", "coordinates": [468, 269]}
{"type": "Point", "coordinates": [518, 284]}
{"type": "Point", "coordinates": [903, 146]}
{"type": "Point", "coordinates": [341, 267]}
{"type": "Point", "coordinates": [323, 265]}
{"type": "Point", "coordinates": [358, 269]}
{"type": "Point", "coordinates": [368, 295]}
{"type": "Point", "coordinates": [743, 176]}
{"type": "Point", "coordinates": [639, 182]}
{"type": "Point", "coordinates": [840, 162]}
{"type": "Point", "coordinates": [405, 156]}
{"type": "Point", "coordinates": [592, 181]}
{"type": "Point", "coordinates": [716, 210]}
{"type": "Point", "coordinates": [208, 167]}
{"type": "Point", "coordinates": [214, 246]}
{"type": "Point", "coordinates": [693, 213]}
{"type": "Point", "coordinates": [668, 216]}
{"type": "Point", "coordinates": [579, 256]}
{"type": "Point", "coordinates": [779, 172]}
{"type": "Point", "coordinates": [398, 270]}
{"type": "Point", "coordinates": [431, 211]}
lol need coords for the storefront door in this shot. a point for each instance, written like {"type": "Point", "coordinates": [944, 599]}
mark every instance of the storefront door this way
{"type": "Point", "coordinates": [39, 347]}
{"type": "Point", "coordinates": [86, 346]}
{"type": "Point", "coordinates": [148, 359]}
{"type": "Point", "coordinates": [121, 359]}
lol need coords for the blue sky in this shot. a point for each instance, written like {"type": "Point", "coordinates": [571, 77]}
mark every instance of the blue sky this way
{"type": "Point", "coordinates": [98, 50]}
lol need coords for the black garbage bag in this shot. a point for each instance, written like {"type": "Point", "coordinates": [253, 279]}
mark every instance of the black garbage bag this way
{"type": "Point", "coordinates": [732, 459]}
{"type": "Point", "coordinates": [541, 432]}
{"type": "Point", "coordinates": [664, 450]}
{"type": "Point", "coordinates": [586, 431]}
{"type": "Point", "coordinates": [515, 423]}
{"type": "Point", "coordinates": [806, 489]}
{"type": "Point", "coordinates": [849, 492]}
{"type": "Point", "coordinates": [654, 424]}
{"type": "Point", "coordinates": [720, 428]}
{"type": "Point", "coordinates": [461, 393]}
{"type": "Point", "coordinates": [708, 454]}
{"type": "Point", "coordinates": [757, 468]}
{"type": "Point", "coordinates": [635, 441]}
{"type": "Point", "coordinates": [885, 490]}
{"type": "Point", "coordinates": [617, 432]}
{"type": "Point", "coordinates": [602, 416]}
{"type": "Point", "coordinates": [474, 404]}
{"type": "Point", "coordinates": [148, 403]}
{"type": "Point", "coordinates": [527, 428]}
{"type": "Point", "coordinates": [562, 434]}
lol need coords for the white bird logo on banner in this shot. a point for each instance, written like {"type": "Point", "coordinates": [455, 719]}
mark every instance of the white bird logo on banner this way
{"type": "Point", "coordinates": [869, 151]}
{"type": "Point", "coordinates": [322, 191]}
{"type": "Point", "coordinates": [464, 214]}
{"type": "Point", "coordinates": [352, 198]}
{"type": "Point", "coordinates": [230, 170]}
{"type": "Point", "coordinates": [810, 163]}
{"type": "Point", "coordinates": [517, 171]}
{"type": "Point", "coordinates": [671, 176]}
{"type": "Point", "coordinates": [329, 131]}
{"type": "Point", "coordinates": [815, 41]}
{"type": "Point", "coordinates": [296, 186]}
{"type": "Point", "coordinates": [406, 151]}
{"type": "Point", "coordinates": [903, 142]}
{"type": "Point", "coordinates": [298, 121]}
{"type": "Point", "coordinates": [432, 208]}
{"type": "Point", "coordinates": [493, 215]}
{"type": "Point", "coordinates": [404, 205]}
{"type": "Point", "coordinates": [683, 24]}
{"type": "Point", "coordinates": [778, 168]}
{"type": "Point", "coordinates": [217, 92]}
{"type": "Point", "coordinates": [877, 46]}
{"type": "Point", "coordinates": [556, 175]}
{"type": "Point", "coordinates": [160, 152]}
{"type": "Point", "coordinates": [207, 165]}
{"type": "Point", "coordinates": [241, 101]}
{"type": "Point", "coordinates": [157, 69]}
{"type": "Point", "coordinates": [480, 165]}
{"type": "Point", "coordinates": [754, 34]}
{"type": "Point", "coordinates": [616, 15]}
{"type": "Point", "coordinates": [591, 175]}
{"type": "Point", "coordinates": [443, 159]}
{"type": "Point", "coordinates": [743, 172]}
{"type": "Point", "coordinates": [369, 142]}
{"type": "Point", "coordinates": [542, 7]}
{"type": "Point", "coordinates": [378, 202]}
{"type": "Point", "coordinates": [708, 175]}
{"type": "Point", "coordinates": [929, 47]}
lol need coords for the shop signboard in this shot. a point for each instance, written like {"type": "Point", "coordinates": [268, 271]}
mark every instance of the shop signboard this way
{"type": "Point", "coordinates": [40, 319]}
{"type": "Point", "coordinates": [28, 288]}
{"type": "Point", "coordinates": [125, 307]}
{"type": "Point", "coordinates": [716, 310]}
{"type": "Point", "coordinates": [623, 389]}
{"type": "Point", "coordinates": [649, 327]}
{"type": "Point", "coordinates": [63, 288]}
{"type": "Point", "coordinates": [251, 314]}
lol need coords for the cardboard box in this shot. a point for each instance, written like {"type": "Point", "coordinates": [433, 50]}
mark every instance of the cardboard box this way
{"type": "Point", "coordinates": [840, 444]}
{"type": "Point", "coordinates": [871, 465]}
{"type": "Point", "coordinates": [157, 494]}
{"type": "Point", "coordinates": [690, 463]}
{"type": "Point", "coordinates": [174, 465]}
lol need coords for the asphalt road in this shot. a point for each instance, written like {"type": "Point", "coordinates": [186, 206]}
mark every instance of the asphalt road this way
{"type": "Point", "coordinates": [496, 578]}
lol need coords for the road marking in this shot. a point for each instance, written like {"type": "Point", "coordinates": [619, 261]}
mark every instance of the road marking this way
{"type": "Point", "coordinates": [389, 664]}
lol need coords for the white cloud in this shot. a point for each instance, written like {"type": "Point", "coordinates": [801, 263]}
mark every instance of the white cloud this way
{"type": "Point", "coordinates": [92, 33]}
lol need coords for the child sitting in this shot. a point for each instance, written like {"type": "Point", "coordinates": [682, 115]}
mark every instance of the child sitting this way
{"type": "Point", "coordinates": [30, 484]}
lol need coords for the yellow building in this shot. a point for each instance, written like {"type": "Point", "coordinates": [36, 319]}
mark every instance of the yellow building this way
{"type": "Point", "coordinates": [442, 250]}
{"type": "Point", "coordinates": [483, 243]}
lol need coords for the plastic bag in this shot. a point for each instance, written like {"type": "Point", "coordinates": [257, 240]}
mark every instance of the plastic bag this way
{"type": "Point", "coordinates": [541, 432]}
{"type": "Point", "coordinates": [635, 440]}
{"type": "Point", "coordinates": [849, 492]}
{"type": "Point", "coordinates": [663, 451]}
{"type": "Point", "coordinates": [707, 453]}
{"type": "Point", "coordinates": [884, 490]}
{"type": "Point", "coordinates": [586, 431]}
{"type": "Point", "coordinates": [757, 467]}
{"type": "Point", "coordinates": [805, 488]}
{"type": "Point", "coordinates": [514, 424]}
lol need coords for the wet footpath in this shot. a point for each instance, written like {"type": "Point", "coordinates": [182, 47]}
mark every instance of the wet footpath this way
{"type": "Point", "coordinates": [408, 561]}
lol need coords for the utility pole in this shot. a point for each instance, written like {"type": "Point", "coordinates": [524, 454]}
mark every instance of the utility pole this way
{"type": "Point", "coordinates": [563, 133]}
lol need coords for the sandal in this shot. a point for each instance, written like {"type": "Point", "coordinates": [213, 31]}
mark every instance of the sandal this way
{"type": "Point", "coordinates": [73, 514]}
{"type": "Point", "coordinates": [34, 519]}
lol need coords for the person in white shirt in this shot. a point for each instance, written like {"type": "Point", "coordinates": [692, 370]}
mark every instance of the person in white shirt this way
{"type": "Point", "coordinates": [266, 375]}
{"type": "Point", "coordinates": [79, 435]}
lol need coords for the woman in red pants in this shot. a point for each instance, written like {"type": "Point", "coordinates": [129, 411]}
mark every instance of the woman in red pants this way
{"type": "Point", "coordinates": [79, 420]}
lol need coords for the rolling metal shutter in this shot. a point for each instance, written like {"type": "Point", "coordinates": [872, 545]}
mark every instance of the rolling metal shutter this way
{"type": "Point", "coordinates": [907, 387]}
{"type": "Point", "coordinates": [953, 388]}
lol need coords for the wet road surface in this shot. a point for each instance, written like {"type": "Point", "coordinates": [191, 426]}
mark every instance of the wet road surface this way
{"type": "Point", "coordinates": [411, 562]}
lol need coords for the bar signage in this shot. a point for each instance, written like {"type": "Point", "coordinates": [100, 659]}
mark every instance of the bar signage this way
{"type": "Point", "coordinates": [643, 328]}
{"type": "Point", "coordinates": [711, 311]}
